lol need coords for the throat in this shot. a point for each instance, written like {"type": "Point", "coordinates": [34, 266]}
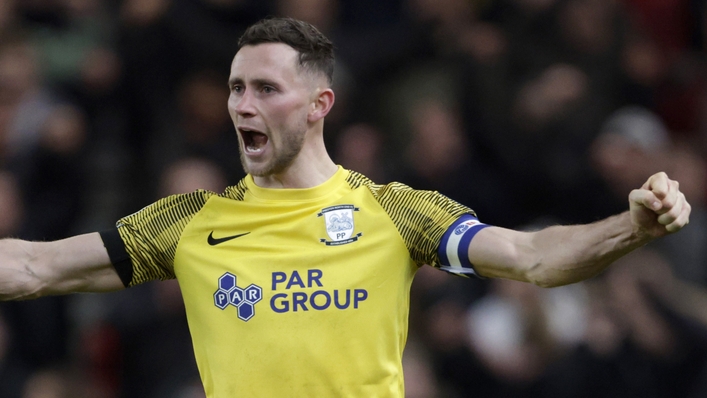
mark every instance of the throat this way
{"type": "Point", "coordinates": [298, 176]}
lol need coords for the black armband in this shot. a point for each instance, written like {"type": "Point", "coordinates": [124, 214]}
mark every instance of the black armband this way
{"type": "Point", "coordinates": [119, 257]}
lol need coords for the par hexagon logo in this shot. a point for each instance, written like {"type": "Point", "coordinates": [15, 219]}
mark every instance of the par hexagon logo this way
{"type": "Point", "coordinates": [228, 293]}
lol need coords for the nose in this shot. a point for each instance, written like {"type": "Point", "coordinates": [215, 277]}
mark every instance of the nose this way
{"type": "Point", "coordinates": [243, 104]}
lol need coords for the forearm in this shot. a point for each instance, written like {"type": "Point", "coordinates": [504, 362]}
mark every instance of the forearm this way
{"type": "Point", "coordinates": [567, 254]}
{"type": "Point", "coordinates": [35, 269]}
{"type": "Point", "coordinates": [18, 280]}
{"type": "Point", "coordinates": [553, 256]}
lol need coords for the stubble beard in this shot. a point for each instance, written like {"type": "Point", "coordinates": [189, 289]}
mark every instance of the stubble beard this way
{"type": "Point", "coordinates": [292, 143]}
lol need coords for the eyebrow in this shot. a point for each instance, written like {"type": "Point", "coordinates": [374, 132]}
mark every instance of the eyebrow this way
{"type": "Point", "coordinates": [256, 82]}
{"type": "Point", "coordinates": [234, 80]}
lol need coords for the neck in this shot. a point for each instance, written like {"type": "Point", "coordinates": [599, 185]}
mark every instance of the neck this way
{"type": "Point", "coordinates": [310, 168]}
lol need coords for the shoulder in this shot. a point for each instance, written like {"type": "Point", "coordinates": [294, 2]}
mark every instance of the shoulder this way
{"type": "Point", "coordinates": [396, 195]}
{"type": "Point", "coordinates": [179, 205]}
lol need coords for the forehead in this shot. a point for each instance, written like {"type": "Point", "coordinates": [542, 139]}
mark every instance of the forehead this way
{"type": "Point", "coordinates": [265, 61]}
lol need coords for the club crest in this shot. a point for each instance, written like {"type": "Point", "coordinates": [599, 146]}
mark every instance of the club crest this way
{"type": "Point", "coordinates": [339, 223]}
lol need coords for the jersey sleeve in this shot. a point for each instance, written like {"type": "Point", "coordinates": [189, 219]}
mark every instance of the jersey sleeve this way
{"type": "Point", "coordinates": [421, 217]}
{"type": "Point", "coordinates": [151, 235]}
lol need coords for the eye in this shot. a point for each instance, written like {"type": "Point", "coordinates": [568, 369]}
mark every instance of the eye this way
{"type": "Point", "coordinates": [268, 89]}
{"type": "Point", "coordinates": [237, 88]}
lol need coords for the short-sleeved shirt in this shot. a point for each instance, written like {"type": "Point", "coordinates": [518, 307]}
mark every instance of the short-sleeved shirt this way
{"type": "Point", "coordinates": [294, 292]}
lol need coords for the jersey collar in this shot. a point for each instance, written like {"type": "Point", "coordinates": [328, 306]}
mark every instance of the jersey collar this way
{"type": "Point", "coordinates": [301, 194]}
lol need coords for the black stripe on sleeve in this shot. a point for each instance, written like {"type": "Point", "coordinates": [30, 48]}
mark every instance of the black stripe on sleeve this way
{"type": "Point", "coordinates": [119, 257]}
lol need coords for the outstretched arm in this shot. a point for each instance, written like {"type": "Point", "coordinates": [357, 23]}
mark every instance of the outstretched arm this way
{"type": "Point", "coordinates": [560, 255]}
{"type": "Point", "coordinates": [35, 269]}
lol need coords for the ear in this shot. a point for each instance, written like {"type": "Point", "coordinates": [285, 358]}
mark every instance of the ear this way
{"type": "Point", "coordinates": [321, 105]}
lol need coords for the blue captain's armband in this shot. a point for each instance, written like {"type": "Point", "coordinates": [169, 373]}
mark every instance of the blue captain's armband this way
{"type": "Point", "coordinates": [454, 249]}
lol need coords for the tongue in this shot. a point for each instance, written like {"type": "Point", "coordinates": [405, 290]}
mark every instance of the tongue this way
{"type": "Point", "coordinates": [258, 139]}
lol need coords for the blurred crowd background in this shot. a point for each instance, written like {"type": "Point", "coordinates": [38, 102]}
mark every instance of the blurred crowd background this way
{"type": "Point", "coordinates": [532, 112]}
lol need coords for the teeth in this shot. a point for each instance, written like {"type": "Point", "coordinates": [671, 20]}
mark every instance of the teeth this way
{"type": "Point", "coordinates": [253, 149]}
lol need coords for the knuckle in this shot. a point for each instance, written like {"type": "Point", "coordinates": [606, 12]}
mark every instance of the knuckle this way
{"type": "Point", "coordinates": [675, 212]}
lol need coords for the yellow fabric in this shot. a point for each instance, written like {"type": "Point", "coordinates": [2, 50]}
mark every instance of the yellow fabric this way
{"type": "Point", "coordinates": [312, 312]}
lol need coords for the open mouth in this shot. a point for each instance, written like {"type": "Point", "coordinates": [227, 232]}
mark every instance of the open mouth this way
{"type": "Point", "coordinates": [253, 141]}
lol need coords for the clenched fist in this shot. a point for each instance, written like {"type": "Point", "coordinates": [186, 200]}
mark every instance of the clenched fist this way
{"type": "Point", "coordinates": [658, 207]}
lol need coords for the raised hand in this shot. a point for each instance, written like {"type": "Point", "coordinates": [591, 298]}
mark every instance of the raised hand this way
{"type": "Point", "coordinates": [658, 207]}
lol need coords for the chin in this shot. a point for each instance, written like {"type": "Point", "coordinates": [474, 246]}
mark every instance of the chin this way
{"type": "Point", "coordinates": [259, 170]}
{"type": "Point", "coordinates": [272, 166]}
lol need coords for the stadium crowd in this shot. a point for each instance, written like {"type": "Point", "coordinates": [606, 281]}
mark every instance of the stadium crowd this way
{"type": "Point", "coordinates": [531, 112]}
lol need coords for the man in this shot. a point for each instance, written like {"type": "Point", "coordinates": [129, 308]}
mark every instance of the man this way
{"type": "Point", "coordinates": [296, 280]}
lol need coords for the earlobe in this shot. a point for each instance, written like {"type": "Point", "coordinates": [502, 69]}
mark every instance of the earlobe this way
{"type": "Point", "coordinates": [321, 105]}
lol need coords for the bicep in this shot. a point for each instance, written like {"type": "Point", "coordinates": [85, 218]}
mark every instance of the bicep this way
{"type": "Point", "coordinates": [77, 264]}
{"type": "Point", "coordinates": [499, 252]}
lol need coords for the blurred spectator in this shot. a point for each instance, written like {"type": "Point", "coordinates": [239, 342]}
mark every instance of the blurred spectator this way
{"type": "Point", "coordinates": [633, 144]}
{"type": "Point", "coordinates": [439, 158]}
{"type": "Point", "coordinates": [201, 127]}
{"type": "Point", "coordinates": [632, 348]}
{"type": "Point", "coordinates": [137, 13]}
{"type": "Point", "coordinates": [643, 69]}
{"type": "Point", "coordinates": [26, 102]}
{"type": "Point", "coordinates": [517, 328]}
{"type": "Point", "coordinates": [588, 26]}
{"type": "Point", "coordinates": [360, 147]}
{"type": "Point", "coordinates": [53, 178]}
{"type": "Point", "coordinates": [549, 97]}
{"type": "Point", "coordinates": [69, 36]}
{"type": "Point", "coordinates": [321, 13]}
{"type": "Point", "coordinates": [667, 21]}
{"type": "Point", "coordinates": [8, 17]}
{"type": "Point", "coordinates": [49, 383]}
{"type": "Point", "coordinates": [189, 174]}
{"type": "Point", "coordinates": [555, 119]}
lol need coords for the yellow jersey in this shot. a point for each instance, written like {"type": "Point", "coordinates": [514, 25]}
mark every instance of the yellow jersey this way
{"type": "Point", "coordinates": [294, 292]}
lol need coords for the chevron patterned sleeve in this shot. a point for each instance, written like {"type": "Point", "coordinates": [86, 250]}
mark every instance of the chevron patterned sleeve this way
{"type": "Point", "coordinates": [151, 235]}
{"type": "Point", "coordinates": [421, 217]}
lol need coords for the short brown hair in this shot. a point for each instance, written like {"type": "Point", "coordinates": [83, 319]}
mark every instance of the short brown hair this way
{"type": "Point", "coordinates": [316, 52]}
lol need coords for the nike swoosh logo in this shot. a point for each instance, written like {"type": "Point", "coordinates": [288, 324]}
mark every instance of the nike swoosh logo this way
{"type": "Point", "coordinates": [216, 241]}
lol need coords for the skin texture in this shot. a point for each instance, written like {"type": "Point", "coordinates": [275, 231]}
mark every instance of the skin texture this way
{"type": "Point", "coordinates": [271, 94]}
{"type": "Point", "coordinates": [35, 269]}
{"type": "Point", "coordinates": [561, 255]}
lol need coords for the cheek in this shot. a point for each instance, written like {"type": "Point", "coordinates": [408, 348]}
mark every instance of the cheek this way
{"type": "Point", "coordinates": [231, 105]}
{"type": "Point", "coordinates": [289, 115]}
